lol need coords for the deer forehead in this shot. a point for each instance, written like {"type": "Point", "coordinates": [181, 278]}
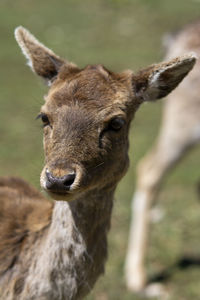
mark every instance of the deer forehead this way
{"type": "Point", "coordinates": [90, 88]}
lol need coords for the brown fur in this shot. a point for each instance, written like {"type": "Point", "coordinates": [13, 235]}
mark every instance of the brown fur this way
{"type": "Point", "coordinates": [24, 214]}
{"type": "Point", "coordinates": [57, 251]}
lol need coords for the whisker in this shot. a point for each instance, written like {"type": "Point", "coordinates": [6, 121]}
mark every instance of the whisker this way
{"type": "Point", "coordinates": [97, 165]}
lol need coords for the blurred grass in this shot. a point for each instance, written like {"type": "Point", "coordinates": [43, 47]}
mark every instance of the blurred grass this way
{"type": "Point", "coordinates": [120, 34]}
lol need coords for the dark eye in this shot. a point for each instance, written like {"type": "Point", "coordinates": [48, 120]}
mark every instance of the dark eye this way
{"type": "Point", "coordinates": [116, 124]}
{"type": "Point", "coordinates": [44, 119]}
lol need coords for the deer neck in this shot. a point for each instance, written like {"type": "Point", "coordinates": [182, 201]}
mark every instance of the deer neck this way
{"type": "Point", "coordinates": [83, 216]}
{"type": "Point", "coordinates": [75, 248]}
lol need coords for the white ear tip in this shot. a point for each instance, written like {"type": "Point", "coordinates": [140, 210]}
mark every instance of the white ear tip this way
{"type": "Point", "coordinates": [191, 56]}
{"type": "Point", "coordinates": [22, 35]}
{"type": "Point", "coordinates": [194, 55]}
{"type": "Point", "coordinates": [18, 28]}
{"type": "Point", "coordinates": [19, 31]}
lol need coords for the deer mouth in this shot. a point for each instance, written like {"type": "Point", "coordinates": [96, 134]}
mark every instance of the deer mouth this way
{"type": "Point", "coordinates": [57, 192]}
{"type": "Point", "coordinates": [60, 188]}
{"type": "Point", "coordinates": [60, 196]}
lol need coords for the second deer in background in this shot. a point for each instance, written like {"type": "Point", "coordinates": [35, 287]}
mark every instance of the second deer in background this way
{"type": "Point", "coordinates": [180, 131]}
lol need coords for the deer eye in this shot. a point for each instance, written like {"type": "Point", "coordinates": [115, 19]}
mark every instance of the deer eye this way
{"type": "Point", "coordinates": [44, 118]}
{"type": "Point", "coordinates": [116, 124]}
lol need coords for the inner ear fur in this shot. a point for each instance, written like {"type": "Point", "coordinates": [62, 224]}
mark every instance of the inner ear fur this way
{"type": "Point", "coordinates": [159, 80]}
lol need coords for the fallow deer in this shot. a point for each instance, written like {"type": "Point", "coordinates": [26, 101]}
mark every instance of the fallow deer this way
{"type": "Point", "coordinates": [56, 251]}
{"type": "Point", "coordinates": [180, 131]}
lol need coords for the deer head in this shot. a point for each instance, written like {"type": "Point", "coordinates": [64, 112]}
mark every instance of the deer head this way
{"type": "Point", "coordinates": [87, 113]}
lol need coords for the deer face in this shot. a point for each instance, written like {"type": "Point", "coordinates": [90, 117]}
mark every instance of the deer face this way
{"type": "Point", "coordinates": [86, 121]}
{"type": "Point", "coordinates": [86, 116]}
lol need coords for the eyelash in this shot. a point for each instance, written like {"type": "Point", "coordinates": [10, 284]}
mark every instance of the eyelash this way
{"type": "Point", "coordinates": [116, 124]}
{"type": "Point", "coordinates": [110, 127]}
{"type": "Point", "coordinates": [44, 119]}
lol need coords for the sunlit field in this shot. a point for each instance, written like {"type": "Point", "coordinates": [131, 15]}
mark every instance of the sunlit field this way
{"type": "Point", "coordinates": [121, 34]}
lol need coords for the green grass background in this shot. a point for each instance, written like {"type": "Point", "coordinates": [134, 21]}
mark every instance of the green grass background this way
{"type": "Point", "coordinates": [120, 34]}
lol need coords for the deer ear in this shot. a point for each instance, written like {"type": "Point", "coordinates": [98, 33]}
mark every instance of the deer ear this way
{"type": "Point", "coordinates": [41, 59]}
{"type": "Point", "coordinates": [159, 80]}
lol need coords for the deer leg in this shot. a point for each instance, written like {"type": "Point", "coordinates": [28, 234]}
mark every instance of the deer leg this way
{"type": "Point", "coordinates": [134, 266]}
{"type": "Point", "coordinates": [151, 171]}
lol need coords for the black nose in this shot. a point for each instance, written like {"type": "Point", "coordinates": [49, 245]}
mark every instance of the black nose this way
{"type": "Point", "coordinates": [60, 184]}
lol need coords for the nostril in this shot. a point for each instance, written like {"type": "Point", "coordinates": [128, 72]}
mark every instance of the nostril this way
{"type": "Point", "coordinates": [68, 179]}
{"type": "Point", "coordinates": [50, 178]}
{"type": "Point", "coordinates": [60, 184]}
